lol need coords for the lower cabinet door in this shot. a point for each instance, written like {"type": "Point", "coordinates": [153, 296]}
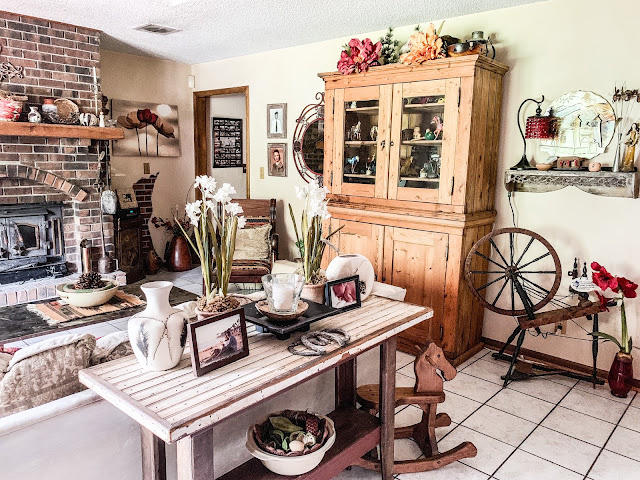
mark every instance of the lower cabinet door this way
{"type": "Point", "coordinates": [417, 260]}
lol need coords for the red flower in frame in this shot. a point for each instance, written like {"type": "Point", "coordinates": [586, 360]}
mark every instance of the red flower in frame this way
{"type": "Point", "coordinates": [627, 287]}
{"type": "Point", "coordinates": [147, 116]}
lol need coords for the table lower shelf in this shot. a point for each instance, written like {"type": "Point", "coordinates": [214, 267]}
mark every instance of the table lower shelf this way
{"type": "Point", "coordinates": [357, 432]}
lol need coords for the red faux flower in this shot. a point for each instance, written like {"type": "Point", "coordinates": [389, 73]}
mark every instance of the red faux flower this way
{"type": "Point", "coordinates": [603, 302]}
{"type": "Point", "coordinates": [602, 278]}
{"type": "Point", "coordinates": [147, 116]}
{"type": "Point", "coordinates": [627, 287]}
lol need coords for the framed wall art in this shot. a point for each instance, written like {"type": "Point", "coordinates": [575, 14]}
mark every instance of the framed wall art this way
{"type": "Point", "coordinates": [277, 120]}
{"type": "Point", "coordinates": [227, 142]}
{"type": "Point", "coordinates": [343, 293]}
{"type": "Point", "coordinates": [217, 341]}
{"type": "Point", "coordinates": [277, 158]}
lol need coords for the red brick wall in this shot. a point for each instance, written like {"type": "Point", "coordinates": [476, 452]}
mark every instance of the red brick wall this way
{"type": "Point", "coordinates": [58, 61]}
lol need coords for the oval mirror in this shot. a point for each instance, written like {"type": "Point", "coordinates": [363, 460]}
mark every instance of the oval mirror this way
{"type": "Point", "coordinates": [308, 141]}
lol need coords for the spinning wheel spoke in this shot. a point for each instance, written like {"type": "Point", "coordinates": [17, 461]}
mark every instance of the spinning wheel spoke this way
{"type": "Point", "coordinates": [525, 251]}
{"type": "Point", "coordinates": [540, 271]}
{"type": "Point", "coordinates": [498, 251]}
{"type": "Point", "coordinates": [489, 260]}
{"type": "Point", "coordinates": [500, 292]}
{"type": "Point", "coordinates": [487, 271]}
{"type": "Point", "coordinates": [535, 285]}
{"type": "Point", "coordinates": [513, 298]}
{"type": "Point", "coordinates": [490, 283]}
{"type": "Point", "coordinates": [535, 260]}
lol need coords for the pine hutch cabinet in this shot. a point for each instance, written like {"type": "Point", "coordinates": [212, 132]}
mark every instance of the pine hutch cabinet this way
{"type": "Point", "coordinates": [411, 157]}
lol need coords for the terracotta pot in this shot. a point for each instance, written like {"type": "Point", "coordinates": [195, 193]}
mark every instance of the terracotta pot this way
{"type": "Point", "coordinates": [621, 375]}
{"type": "Point", "coordinates": [314, 293]}
{"type": "Point", "coordinates": [154, 262]}
{"type": "Point", "coordinates": [179, 255]}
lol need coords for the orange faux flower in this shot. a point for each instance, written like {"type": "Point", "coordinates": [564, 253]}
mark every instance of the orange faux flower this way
{"type": "Point", "coordinates": [423, 46]}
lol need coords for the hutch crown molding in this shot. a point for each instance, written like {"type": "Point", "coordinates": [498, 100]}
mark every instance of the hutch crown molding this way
{"type": "Point", "coordinates": [411, 155]}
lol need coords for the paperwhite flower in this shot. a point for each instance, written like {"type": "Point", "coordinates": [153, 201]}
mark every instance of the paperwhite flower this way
{"type": "Point", "coordinates": [302, 193]}
{"type": "Point", "coordinates": [211, 205]}
{"type": "Point", "coordinates": [242, 222]}
{"type": "Point", "coordinates": [193, 212]}
{"type": "Point", "coordinates": [223, 195]}
{"type": "Point", "coordinates": [206, 184]}
{"type": "Point", "coordinates": [233, 209]}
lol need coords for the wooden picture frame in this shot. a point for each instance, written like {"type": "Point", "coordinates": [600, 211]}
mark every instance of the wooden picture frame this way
{"type": "Point", "coordinates": [127, 198]}
{"type": "Point", "coordinates": [275, 168]}
{"type": "Point", "coordinates": [226, 141]}
{"type": "Point", "coordinates": [277, 120]}
{"type": "Point", "coordinates": [207, 337]}
{"type": "Point", "coordinates": [335, 300]}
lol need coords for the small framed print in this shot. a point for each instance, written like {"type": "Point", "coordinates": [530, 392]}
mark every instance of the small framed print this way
{"type": "Point", "coordinates": [277, 120]}
{"type": "Point", "coordinates": [343, 293]}
{"type": "Point", "coordinates": [227, 142]}
{"type": "Point", "coordinates": [277, 154]}
{"type": "Point", "coordinates": [127, 198]}
{"type": "Point", "coordinates": [217, 341]}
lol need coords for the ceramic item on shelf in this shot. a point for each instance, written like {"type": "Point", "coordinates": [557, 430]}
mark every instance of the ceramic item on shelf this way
{"type": "Point", "coordinates": [158, 333]}
{"type": "Point", "coordinates": [314, 293]}
{"type": "Point", "coordinates": [179, 254]}
{"type": "Point", "coordinates": [416, 133]}
{"type": "Point", "coordinates": [595, 166]}
{"type": "Point", "coordinates": [374, 133]}
{"type": "Point", "coordinates": [429, 135]}
{"type": "Point", "coordinates": [34, 115]}
{"type": "Point", "coordinates": [292, 465]}
{"type": "Point", "coordinates": [353, 264]}
{"type": "Point", "coordinates": [544, 166]}
{"type": "Point", "coordinates": [101, 120]}
{"type": "Point", "coordinates": [10, 106]}
{"type": "Point", "coordinates": [87, 298]}
{"type": "Point", "coordinates": [88, 119]}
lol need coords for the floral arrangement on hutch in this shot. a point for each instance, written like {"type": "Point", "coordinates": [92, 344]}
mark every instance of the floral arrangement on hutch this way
{"type": "Point", "coordinates": [423, 46]}
{"type": "Point", "coordinates": [215, 220]}
{"type": "Point", "coordinates": [359, 55]}
{"type": "Point", "coordinates": [621, 372]}
{"type": "Point", "coordinates": [310, 241]}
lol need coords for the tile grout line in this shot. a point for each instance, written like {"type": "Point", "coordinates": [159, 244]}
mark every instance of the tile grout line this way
{"type": "Point", "coordinates": [609, 438]}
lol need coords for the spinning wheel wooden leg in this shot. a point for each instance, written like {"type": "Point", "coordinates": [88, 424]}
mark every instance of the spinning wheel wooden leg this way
{"type": "Point", "coordinates": [514, 358]}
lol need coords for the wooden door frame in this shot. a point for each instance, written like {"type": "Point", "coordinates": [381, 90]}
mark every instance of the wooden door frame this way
{"type": "Point", "coordinates": [200, 128]}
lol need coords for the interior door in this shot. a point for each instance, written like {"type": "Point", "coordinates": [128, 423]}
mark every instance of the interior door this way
{"type": "Point", "coordinates": [417, 260]}
{"type": "Point", "coordinates": [423, 139]}
{"type": "Point", "coordinates": [361, 129]}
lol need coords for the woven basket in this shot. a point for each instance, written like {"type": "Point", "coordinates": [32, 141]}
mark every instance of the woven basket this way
{"type": "Point", "coordinates": [10, 108]}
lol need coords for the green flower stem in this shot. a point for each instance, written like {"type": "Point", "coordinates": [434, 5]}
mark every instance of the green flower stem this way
{"type": "Point", "coordinates": [625, 346]}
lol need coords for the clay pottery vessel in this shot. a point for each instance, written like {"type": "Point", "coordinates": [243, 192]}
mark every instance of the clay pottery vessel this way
{"type": "Point", "coordinates": [313, 293]}
{"type": "Point", "coordinates": [179, 254]}
{"type": "Point", "coordinates": [621, 375]}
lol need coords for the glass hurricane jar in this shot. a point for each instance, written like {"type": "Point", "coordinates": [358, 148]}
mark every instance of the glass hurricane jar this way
{"type": "Point", "coordinates": [283, 291]}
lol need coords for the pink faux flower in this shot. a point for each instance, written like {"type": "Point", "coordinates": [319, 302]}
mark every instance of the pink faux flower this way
{"type": "Point", "coordinates": [359, 56]}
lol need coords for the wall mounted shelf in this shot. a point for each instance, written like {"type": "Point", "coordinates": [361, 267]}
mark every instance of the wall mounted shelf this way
{"type": "Point", "coordinates": [604, 182]}
{"type": "Point", "coordinates": [25, 129]}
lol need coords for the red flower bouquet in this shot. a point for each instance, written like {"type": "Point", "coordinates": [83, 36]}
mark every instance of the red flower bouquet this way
{"type": "Point", "coordinates": [359, 55]}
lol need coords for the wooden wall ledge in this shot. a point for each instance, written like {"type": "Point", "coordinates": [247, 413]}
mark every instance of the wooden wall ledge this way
{"type": "Point", "coordinates": [604, 182]}
{"type": "Point", "coordinates": [25, 129]}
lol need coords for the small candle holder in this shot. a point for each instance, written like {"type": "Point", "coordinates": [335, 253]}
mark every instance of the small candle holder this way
{"type": "Point", "coordinates": [283, 291]}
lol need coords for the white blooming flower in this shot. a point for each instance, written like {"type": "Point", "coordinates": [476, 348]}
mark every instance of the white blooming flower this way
{"type": "Point", "coordinates": [193, 212]}
{"type": "Point", "coordinates": [223, 195]}
{"type": "Point", "coordinates": [302, 193]}
{"type": "Point", "coordinates": [242, 222]}
{"type": "Point", "coordinates": [211, 205]}
{"type": "Point", "coordinates": [206, 184]}
{"type": "Point", "coordinates": [233, 209]}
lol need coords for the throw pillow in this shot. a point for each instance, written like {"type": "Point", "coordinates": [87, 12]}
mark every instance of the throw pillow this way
{"type": "Point", "coordinates": [253, 243]}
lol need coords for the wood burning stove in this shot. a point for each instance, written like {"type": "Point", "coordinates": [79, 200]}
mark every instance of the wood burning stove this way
{"type": "Point", "coordinates": [31, 242]}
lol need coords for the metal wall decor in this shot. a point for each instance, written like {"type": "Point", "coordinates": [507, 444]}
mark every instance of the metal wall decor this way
{"type": "Point", "coordinates": [308, 141]}
{"type": "Point", "coordinates": [8, 70]}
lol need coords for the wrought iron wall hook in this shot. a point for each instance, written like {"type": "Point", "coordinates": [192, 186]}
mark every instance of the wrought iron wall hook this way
{"type": "Point", "coordinates": [524, 162]}
{"type": "Point", "coordinates": [8, 70]}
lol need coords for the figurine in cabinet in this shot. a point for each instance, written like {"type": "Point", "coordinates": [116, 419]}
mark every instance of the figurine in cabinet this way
{"type": "Point", "coordinates": [354, 132]}
{"type": "Point", "coordinates": [353, 161]}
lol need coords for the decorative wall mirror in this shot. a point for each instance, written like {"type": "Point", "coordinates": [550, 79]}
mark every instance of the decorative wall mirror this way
{"type": "Point", "coordinates": [308, 141]}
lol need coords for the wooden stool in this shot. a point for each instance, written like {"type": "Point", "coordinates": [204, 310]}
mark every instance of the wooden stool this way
{"type": "Point", "coordinates": [426, 394]}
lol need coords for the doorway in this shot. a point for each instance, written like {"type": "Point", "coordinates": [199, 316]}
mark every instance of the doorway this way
{"type": "Point", "coordinates": [226, 109]}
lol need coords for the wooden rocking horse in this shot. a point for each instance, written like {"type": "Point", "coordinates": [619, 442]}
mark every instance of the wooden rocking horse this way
{"type": "Point", "coordinates": [426, 394]}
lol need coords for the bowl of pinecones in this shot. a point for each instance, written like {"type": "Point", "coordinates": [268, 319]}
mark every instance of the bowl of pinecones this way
{"type": "Point", "coordinates": [291, 442]}
{"type": "Point", "coordinates": [91, 290]}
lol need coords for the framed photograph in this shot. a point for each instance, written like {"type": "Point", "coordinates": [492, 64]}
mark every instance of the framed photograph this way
{"type": "Point", "coordinates": [227, 142]}
{"type": "Point", "coordinates": [127, 198]}
{"type": "Point", "coordinates": [218, 341]}
{"type": "Point", "coordinates": [343, 293]}
{"type": "Point", "coordinates": [277, 155]}
{"type": "Point", "coordinates": [277, 120]}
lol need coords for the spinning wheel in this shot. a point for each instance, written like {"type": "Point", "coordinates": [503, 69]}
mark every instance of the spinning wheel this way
{"type": "Point", "coordinates": [535, 272]}
{"type": "Point", "coordinates": [516, 272]}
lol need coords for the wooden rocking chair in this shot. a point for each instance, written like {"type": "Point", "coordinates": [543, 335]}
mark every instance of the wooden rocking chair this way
{"type": "Point", "coordinates": [426, 394]}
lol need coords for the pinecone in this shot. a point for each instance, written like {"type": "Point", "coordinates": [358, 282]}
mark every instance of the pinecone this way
{"type": "Point", "coordinates": [89, 281]}
{"type": "Point", "coordinates": [312, 425]}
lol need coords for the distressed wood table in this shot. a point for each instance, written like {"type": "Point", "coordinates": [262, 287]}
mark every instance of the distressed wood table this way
{"type": "Point", "coordinates": [175, 406]}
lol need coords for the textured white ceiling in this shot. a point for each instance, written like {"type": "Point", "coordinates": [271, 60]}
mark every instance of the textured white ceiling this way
{"type": "Point", "coordinates": [217, 29]}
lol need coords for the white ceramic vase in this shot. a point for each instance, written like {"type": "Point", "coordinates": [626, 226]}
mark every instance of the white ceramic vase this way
{"type": "Point", "coordinates": [158, 333]}
{"type": "Point", "coordinates": [353, 264]}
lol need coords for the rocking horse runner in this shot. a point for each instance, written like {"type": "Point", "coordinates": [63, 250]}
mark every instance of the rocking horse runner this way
{"type": "Point", "coordinates": [426, 394]}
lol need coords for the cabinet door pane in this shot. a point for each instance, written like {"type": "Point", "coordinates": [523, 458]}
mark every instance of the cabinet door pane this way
{"type": "Point", "coordinates": [425, 116]}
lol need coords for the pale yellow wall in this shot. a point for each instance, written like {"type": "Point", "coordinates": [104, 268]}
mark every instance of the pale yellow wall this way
{"type": "Point", "coordinates": [552, 47]}
{"type": "Point", "coordinates": [132, 77]}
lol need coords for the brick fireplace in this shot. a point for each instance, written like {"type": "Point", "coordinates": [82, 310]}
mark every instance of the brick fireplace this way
{"type": "Point", "coordinates": [58, 61]}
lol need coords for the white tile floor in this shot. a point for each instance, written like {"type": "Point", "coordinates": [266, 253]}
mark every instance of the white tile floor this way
{"type": "Point", "coordinates": [554, 428]}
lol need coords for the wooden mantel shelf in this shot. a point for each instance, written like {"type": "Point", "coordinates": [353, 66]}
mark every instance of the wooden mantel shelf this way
{"type": "Point", "coordinates": [25, 129]}
{"type": "Point", "coordinates": [604, 182]}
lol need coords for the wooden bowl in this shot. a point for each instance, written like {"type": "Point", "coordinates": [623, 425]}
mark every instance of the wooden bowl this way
{"type": "Point", "coordinates": [544, 166]}
{"type": "Point", "coordinates": [263, 308]}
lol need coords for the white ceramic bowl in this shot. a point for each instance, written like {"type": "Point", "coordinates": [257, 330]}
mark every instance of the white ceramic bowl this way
{"type": "Point", "coordinates": [87, 299]}
{"type": "Point", "coordinates": [291, 465]}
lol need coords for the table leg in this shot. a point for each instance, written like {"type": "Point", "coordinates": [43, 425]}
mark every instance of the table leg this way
{"type": "Point", "coordinates": [346, 384]}
{"type": "Point", "coordinates": [387, 405]}
{"type": "Point", "coordinates": [195, 456]}
{"type": "Point", "coordinates": [154, 464]}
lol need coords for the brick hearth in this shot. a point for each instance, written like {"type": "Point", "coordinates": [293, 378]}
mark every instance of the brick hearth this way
{"type": "Point", "coordinates": [58, 61]}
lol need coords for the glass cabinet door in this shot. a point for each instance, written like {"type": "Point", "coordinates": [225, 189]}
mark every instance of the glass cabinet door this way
{"type": "Point", "coordinates": [424, 135]}
{"type": "Point", "coordinates": [361, 144]}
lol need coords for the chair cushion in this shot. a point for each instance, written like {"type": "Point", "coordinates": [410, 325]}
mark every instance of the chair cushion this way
{"type": "Point", "coordinates": [250, 267]}
{"type": "Point", "coordinates": [253, 243]}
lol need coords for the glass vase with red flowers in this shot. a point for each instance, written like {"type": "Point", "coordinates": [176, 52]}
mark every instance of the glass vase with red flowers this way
{"type": "Point", "coordinates": [621, 371]}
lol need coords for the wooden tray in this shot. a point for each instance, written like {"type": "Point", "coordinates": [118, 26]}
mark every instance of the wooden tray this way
{"type": "Point", "coordinates": [282, 330]}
